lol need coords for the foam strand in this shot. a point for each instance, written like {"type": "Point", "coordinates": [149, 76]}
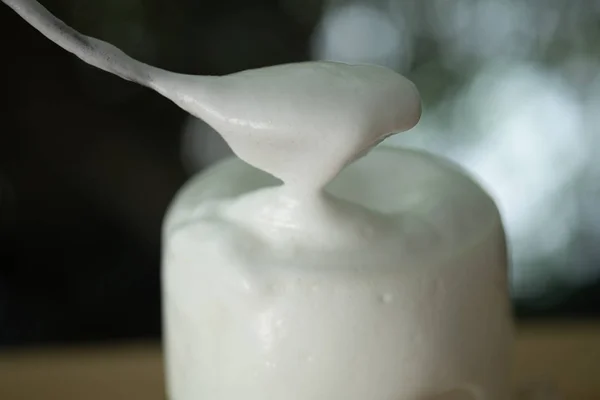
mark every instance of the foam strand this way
{"type": "Point", "coordinates": [93, 51]}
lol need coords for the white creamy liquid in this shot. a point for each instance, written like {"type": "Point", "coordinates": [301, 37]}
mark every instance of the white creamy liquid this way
{"type": "Point", "coordinates": [385, 283]}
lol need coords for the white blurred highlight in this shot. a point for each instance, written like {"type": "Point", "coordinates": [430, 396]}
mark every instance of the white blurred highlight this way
{"type": "Point", "coordinates": [483, 30]}
{"type": "Point", "coordinates": [532, 150]}
{"type": "Point", "coordinates": [526, 145]}
{"type": "Point", "coordinates": [360, 33]}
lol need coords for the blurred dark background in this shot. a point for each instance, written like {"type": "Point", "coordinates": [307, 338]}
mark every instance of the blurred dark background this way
{"type": "Point", "coordinates": [89, 162]}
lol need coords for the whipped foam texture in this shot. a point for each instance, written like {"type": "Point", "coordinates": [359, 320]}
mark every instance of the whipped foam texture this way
{"type": "Point", "coordinates": [387, 282]}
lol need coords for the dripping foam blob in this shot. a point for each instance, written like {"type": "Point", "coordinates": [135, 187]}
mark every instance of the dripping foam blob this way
{"type": "Point", "coordinates": [302, 123]}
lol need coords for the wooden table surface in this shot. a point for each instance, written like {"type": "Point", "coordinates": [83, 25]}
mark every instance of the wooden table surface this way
{"type": "Point", "coordinates": [568, 355]}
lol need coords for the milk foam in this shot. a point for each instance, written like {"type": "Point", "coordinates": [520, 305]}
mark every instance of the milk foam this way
{"type": "Point", "coordinates": [385, 283]}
